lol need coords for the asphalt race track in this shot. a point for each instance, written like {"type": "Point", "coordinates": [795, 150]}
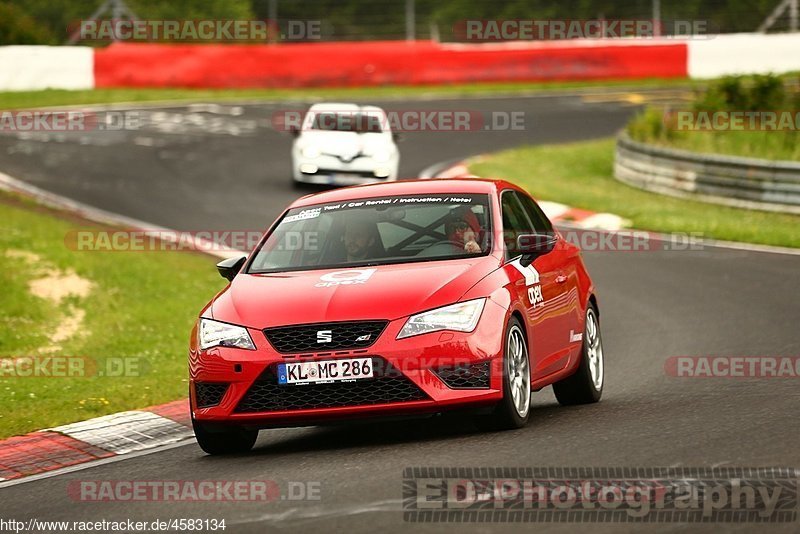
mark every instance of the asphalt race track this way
{"type": "Point", "coordinates": [224, 167]}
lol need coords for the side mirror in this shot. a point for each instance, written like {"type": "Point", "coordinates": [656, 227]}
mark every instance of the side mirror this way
{"type": "Point", "coordinates": [229, 268]}
{"type": "Point", "coordinates": [534, 245]}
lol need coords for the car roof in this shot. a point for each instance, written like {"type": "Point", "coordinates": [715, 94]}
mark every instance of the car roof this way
{"type": "Point", "coordinates": [407, 187]}
{"type": "Point", "coordinates": [342, 107]}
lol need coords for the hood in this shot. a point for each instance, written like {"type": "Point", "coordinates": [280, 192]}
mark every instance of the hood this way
{"type": "Point", "coordinates": [380, 292]}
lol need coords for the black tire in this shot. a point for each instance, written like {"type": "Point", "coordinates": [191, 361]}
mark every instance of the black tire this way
{"type": "Point", "coordinates": [506, 415]}
{"type": "Point", "coordinates": [224, 440]}
{"type": "Point", "coordinates": [583, 387]}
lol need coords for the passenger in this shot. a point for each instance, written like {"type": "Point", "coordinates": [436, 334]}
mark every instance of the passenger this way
{"type": "Point", "coordinates": [463, 229]}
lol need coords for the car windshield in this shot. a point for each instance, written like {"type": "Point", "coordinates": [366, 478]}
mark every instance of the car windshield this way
{"type": "Point", "coordinates": [377, 231]}
{"type": "Point", "coordinates": [358, 122]}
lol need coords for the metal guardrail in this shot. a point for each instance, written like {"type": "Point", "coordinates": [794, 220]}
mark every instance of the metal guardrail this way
{"type": "Point", "coordinates": [734, 181]}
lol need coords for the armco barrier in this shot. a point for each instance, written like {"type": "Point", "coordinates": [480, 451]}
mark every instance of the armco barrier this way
{"type": "Point", "coordinates": [382, 63]}
{"type": "Point", "coordinates": [390, 62]}
{"type": "Point", "coordinates": [742, 182]}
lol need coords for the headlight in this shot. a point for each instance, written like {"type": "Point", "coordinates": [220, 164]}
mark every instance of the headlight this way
{"type": "Point", "coordinates": [462, 317]}
{"type": "Point", "coordinates": [214, 333]}
{"type": "Point", "coordinates": [310, 152]}
{"type": "Point", "coordinates": [382, 155]}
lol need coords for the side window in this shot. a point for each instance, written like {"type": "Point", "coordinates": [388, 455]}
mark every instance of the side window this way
{"type": "Point", "coordinates": [515, 222]}
{"type": "Point", "coordinates": [541, 224]}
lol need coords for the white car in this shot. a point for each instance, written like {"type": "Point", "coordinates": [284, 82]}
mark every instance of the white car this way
{"type": "Point", "coordinates": [344, 144]}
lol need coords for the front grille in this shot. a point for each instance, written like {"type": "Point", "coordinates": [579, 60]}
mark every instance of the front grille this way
{"type": "Point", "coordinates": [388, 385]}
{"type": "Point", "coordinates": [209, 393]}
{"type": "Point", "coordinates": [466, 376]}
{"type": "Point", "coordinates": [324, 336]}
{"type": "Point", "coordinates": [362, 174]}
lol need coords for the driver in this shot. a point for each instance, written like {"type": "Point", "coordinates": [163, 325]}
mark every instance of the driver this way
{"type": "Point", "coordinates": [463, 229]}
{"type": "Point", "coordinates": [361, 240]}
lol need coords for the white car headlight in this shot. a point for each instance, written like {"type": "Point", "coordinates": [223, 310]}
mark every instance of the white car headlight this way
{"type": "Point", "coordinates": [310, 152]}
{"type": "Point", "coordinates": [462, 317]}
{"type": "Point", "coordinates": [214, 333]}
{"type": "Point", "coordinates": [382, 155]}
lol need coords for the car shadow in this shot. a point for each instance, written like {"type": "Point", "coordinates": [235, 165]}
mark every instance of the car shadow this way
{"type": "Point", "coordinates": [356, 435]}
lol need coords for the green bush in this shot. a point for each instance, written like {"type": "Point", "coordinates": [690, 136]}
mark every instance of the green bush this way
{"type": "Point", "coordinates": [650, 124]}
{"type": "Point", "coordinates": [725, 94]}
{"type": "Point", "coordinates": [767, 93]}
{"type": "Point", "coordinates": [737, 93]}
{"type": "Point", "coordinates": [55, 18]}
{"type": "Point", "coordinates": [733, 93]}
{"type": "Point", "coordinates": [17, 28]}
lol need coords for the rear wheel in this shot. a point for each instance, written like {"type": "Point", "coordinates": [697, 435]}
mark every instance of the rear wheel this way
{"type": "Point", "coordinates": [512, 412]}
{"type": "Point", "coordinates": [586, 385]}
{"type": "Point", "coordinates": [222, 440]}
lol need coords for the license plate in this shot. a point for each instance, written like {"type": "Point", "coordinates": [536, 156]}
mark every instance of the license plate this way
{"type": "Point", "coordinates": [325, 371]}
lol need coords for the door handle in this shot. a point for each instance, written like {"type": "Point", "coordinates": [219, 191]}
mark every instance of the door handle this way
{"type": "Point", "coordinates": [560, 279]}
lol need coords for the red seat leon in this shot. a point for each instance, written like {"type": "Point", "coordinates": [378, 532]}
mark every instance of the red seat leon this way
{"type": "Point", "coordinates": [403, 298]}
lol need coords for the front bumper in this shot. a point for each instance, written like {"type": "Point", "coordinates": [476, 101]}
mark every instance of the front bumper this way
{"type": "Point", "coordinates": [327, 169]}
{"type": "Point", "coordinates": [420, 360]}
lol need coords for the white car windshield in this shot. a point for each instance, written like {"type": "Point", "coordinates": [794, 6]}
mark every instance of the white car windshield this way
{"type": "Point", "coordinates": [357, 122]}
{"type": "Point", "coordinates": [378, 231]}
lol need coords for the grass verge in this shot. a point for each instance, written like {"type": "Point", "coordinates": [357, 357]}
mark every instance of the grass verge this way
{"type": "Point", "coordinates": [55, 97]}
{"type": "Point", "coordinates": [581, 175]}
{"type": "Point", "coordinates": [710, 124]}
{"type": "Point", "coordinates": [135, 320]}
{"type": "Point", "coordinates": [648, 127]}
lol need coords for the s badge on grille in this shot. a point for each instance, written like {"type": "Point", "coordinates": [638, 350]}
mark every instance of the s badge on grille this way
{"type": "Point", "coordinates": [363, 338]}
{"type": "Point", "coordinates": [324, 336]}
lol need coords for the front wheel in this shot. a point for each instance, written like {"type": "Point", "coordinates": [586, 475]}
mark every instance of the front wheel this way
{"type": "Point", "coordinates": [512, 412]}
{"type": "Point", "coordinates": [230, 440]}
{"type": "Point", "coordinates": [586, 385]}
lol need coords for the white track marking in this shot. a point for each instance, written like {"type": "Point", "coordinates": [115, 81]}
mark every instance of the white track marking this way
{"type": "Point", "coordinates": [126, 432]}
{"type": "Point", "coordinates": [310, 513]}
{"type": "Point", "coordinates": [604, 221]}
{"type": "Point", "coordinates": [553, 210]}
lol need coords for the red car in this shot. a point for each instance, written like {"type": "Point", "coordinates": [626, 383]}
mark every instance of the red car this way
{"type": "Point", "coordinates": [395, 299]}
